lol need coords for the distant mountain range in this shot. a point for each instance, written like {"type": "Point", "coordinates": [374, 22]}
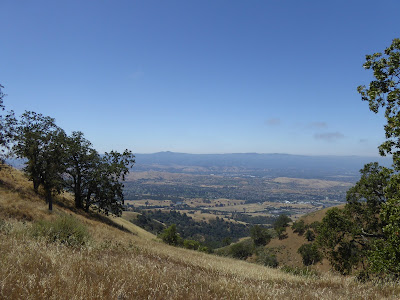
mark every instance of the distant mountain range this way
{"type": "Point", "coordinates": [258, 164]}
{"type": "Point", "coordinates": [251, 164]}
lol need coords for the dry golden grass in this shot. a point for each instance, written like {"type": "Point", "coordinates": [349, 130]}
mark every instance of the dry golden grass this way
{"type": "Point", "coordinates": [311, 183]}
{"type": "Point", "coordinates": [119, 264]}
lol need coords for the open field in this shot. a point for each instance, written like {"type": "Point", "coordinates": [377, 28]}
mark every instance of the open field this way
{"type": "Point", "coordinates": [224, 196]}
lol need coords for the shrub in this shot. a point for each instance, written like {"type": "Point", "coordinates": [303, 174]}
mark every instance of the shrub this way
{"type": "Point", "coordinates": [205, 249]}
{"type": "Point", "coordinates": [315, 225]}
{"type": "Point", "coordinates": [299, 227]}
{"type": "Point", "coordinates": [170, 236]}
{"type": "Point", "coordinates": [191, 244]}
{"type": "Point", "coordinates": [260, 235]}
{"type": "Point", "coordinates": [65, 230]}
{"type": "Point", "coordinates": [282, 221]}
{"type": "Point", "coordinates": [310, 254]}
{"type": "Point", "coordinates": [241, 250]}
{"type": "Point", "coordinates": [310, 235]}
{"type": "Point", "coordinates": [281, 232]}
{"type": "Point", "coordinates": [266, 258]}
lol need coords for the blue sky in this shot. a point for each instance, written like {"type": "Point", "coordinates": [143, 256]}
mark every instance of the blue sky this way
{"type": "Point", "coordinates": [199, 76]}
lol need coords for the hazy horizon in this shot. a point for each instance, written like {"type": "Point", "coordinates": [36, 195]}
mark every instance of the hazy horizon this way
{"type": "Point", "coordinates": [260, 153]}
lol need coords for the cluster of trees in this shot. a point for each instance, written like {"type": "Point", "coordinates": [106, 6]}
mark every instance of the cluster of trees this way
{"type": "Point", "coordinates": [255, 247]}
{"type": "Point", "coordinates": [365, 235]}
{"type": "Point", "coordinates": [171, 236]}
{"type": "Point", "coordinates": [309, 230]}
{"type": "Point", "coordinates": [214, 233]}
{"type": "Point", "coordinates": [56, 162]}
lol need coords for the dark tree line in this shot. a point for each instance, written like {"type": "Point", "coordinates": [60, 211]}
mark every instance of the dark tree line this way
{"type": "Point", "coordinates": [210, 233]}
{"type": "Point", "coordinates": [56, 162]}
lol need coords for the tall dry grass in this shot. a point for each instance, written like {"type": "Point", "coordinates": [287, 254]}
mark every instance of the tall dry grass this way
{"type": "Point", "coordinates": [117, 264]}
{"type": "Point", "coordinates": [108, 269]}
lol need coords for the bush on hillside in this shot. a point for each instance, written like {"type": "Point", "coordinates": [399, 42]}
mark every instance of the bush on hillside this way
{"type": "Point", "coordinates": [241, 250]}
{"type": "Point", "coordinates": [191, 244]}
{"type": "Point", "coordinates": [299, 227]}
{"type": "Point", "coordinates": [266, 258]}
{"type": "Point", "coordinates": [170, 236]}
{"type": "Point", "coordinates": [65, 230]}
{"type": "Point", "coordinates": [310, 254]}
{"type": "Point", "coordinates": [260, 235]}
{"type": "Point", "coordinates": [310, 235]}
{"type": "Point", "coordinates": [282, 221]}
{"type": "Point", "coordinates": [281, 232]}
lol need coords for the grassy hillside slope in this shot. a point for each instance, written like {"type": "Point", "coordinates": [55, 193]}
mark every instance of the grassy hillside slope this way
{"type": "Point", "coordinates": [286, 249]}
{"type": "Point", "coordinates": [121, 261]}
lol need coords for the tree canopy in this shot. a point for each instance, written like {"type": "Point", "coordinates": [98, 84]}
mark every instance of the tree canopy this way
{"type": "Point", "coordinates": [384, 92]}
{"type": "Point", "coordinates": [365, 234]}
{"type": "Point", "coordinates": [7, 124]}
{"type": "Point", "coordinates": [57, 161]}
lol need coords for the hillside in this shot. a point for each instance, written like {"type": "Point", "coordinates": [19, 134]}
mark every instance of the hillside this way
{"type": "Point", "coordinates": [286, 249]}
{"type": "Point", "coordinates": [122, 261]}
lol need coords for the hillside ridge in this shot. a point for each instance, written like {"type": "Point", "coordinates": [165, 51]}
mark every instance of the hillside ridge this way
{"type": "Point", "coordinates": [117, 264]}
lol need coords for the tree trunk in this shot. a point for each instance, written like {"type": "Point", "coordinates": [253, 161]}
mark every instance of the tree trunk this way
{"type": "Point", "coordinates": [49, 198]}
{"type": "Point", "coordinates": [89, 194]}
{"type": "Point", "coordinates": [36, 183]}
{"type": "Point", "coordinates": [78, 191]}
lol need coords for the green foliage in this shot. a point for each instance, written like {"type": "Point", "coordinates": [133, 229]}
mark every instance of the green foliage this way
{"type": "Point", "coordinates": [108, 181]}
{"type": "Point", "coordinates": [384, 91]}
{"type": "Point", "coordinates": [266, 258]}
{"type": "Point", "coordinates": [210, 234]}
{"type": "Point", "coordinates": [310, 235]}
{"type": "Point", "coordinates": [148, 224]}
{"type": "Point", "coordinates": [2, 95]}
{"type": "Point", "coordinates": [205, 249]}
{"type": "Point", "coordinates": [315, 225]}
{"type": "Point", "coordinates": [170, 236]}
{"type": "Point", "coordinates": [337, 241]}
{"type": "Point", "coordinates": [191, 244]}
{"type": "Point", "coordinates": [282, 221]}
{"type": "Point", "coordinates": [7, 128]}
{"type": "Point", "coordinates": [281, 232]}
{"type": "Point", "coordinates": [260, 235]}
{"type": "Point", "coordinates": [346, 236]}
{"type": "Point", "coordinates": [82, 163]}
{"type": "Point", "coordinates": [299, 227]}
{"type": "Point", "coordinates": [380, 215]}
{"type": "Point", "coordinates": [56, 161]}
{"type": "Point", "coordinates": [42, 143]}
{"type": "Point", "coordinates": [385, 253]}
{"type": "Point", "coordinates": [310, 254]}
{"type": "Point", "coordinates": [241, 250]}
{"type": "Point", "coordinates": [227, 241]}
{"type": "Point", "coordinates": [65, 230]}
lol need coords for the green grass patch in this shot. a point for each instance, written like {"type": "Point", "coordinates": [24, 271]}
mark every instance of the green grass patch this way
{"type": "Point", "coordinates": [65, 230]}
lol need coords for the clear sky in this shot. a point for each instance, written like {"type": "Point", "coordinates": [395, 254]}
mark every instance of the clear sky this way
{"type": "Point", "coordinates": [199, 76]}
